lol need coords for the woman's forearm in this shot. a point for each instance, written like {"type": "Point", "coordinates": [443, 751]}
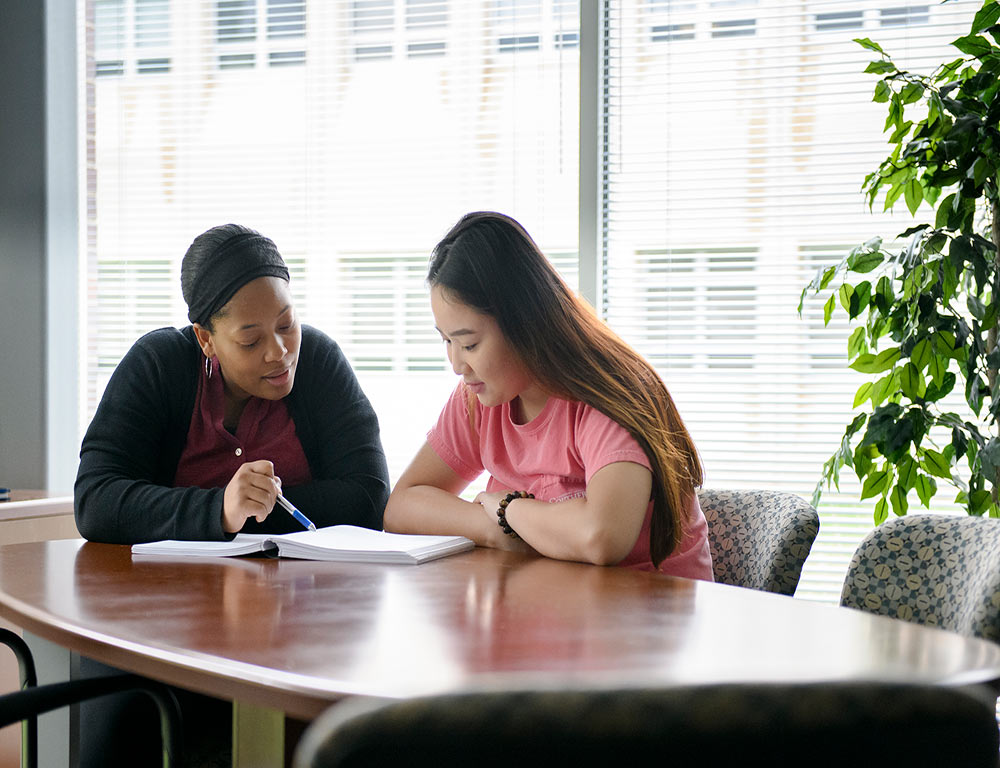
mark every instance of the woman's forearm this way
{"type": "Point", "coordinates": [426, 509]}
{"type": "Point", "coordinates": [573, 530]}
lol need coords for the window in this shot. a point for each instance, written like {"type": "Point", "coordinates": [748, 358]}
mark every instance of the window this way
{"type": "Point", "coordinates": [375, 15]}
{"type": "Point", "coordinates": [421, 14]}
{"type": "Point", "coordinates": [237, 60]}
{"type": "Point", "coordinates": [730, 177]}
{"type": "Point", "coordinates": [839, 20]}
{"type": "Point", "coordinates": [734, 28]}
{"type": "Point", "coordinates": [663, 33]}
{"type": "Point", "coordinates": [152, 23]}
{"type": "Point", "coordinates": [131, 35]}
{"type": "Point", "coordinates": [236, 21]}
{"type": "Point", "coordinates": [286, 18]}
{"type": "Point", "coordinates": [356, 155]}
{"type": "Point", "coordinates": [373, 25]}
{"type": "Point", "coordinates": [426, 22]}
{"type": "Point", "coordinates": [522, 43]}
{"type": "Point", "coordinates": [357, 134]}
{"type": "Point", "coordinates": [894, 17]}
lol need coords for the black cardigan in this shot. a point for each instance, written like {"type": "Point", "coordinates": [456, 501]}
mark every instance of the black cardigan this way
{"type": "Point", "coordinates": [129, 456]}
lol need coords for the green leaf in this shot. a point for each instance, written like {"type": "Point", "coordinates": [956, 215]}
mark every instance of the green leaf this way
{"type": "Point", "coordinates": [921, 354]}
{"type": "Point", "coordinates": [828, 308]}
{"type": "Point", "coordinates": [884, 387]}
{"type": "Point", "coordinates": [884, 295]}
{"type": "Point", "coordinates": [884, 67]}
{"type": "Point", "coordinates": [943, 212]}
{"type": "Point", "coordinates": [979, 501]}
{"type": "Point", "coordinates": [936, 391]}
{"type": "Point", "coordinates": [876, 364]}
{"type": "Point", "coordinates": [861, 298]}
{"type": "Point", "coordinates": [926, 488]}
{"type": "Point", "coordinates": [976, 307]}
{"type": "Point", "coordinates": [907, 471]}
{"type": "Point", "coordinates": [944, 344]}
{"type": "Point", "coordinates": [881, 511]}
{"type": "Point", "coordinates": [863, 393]}
{"type": "Point", "coordinates": [971, 45]}
{"type": "Point", "coordinates": [986, 16]}
{"type": "Point", "coordinates": [937, 368]}
{"type": "Point", "coordinates": [862, 462]}
{"type": "Point", "coordinates": [990, 458]}
{"type": "Point", "coordinates": [882, 92]}
{"type": "Point", "coordinates": [886, 359]}
{"type": "Point", "coordinates": [912, 382]}
{"type": "Point", "coordinates": [912, 92]}
{"type": "Point", "coordinates": [845, 293]}
{"type": "Point", "coordinates": [876, 484]}
{"type": "Point", "coordinates": [936, 464]}
{"type": "Point", "coordinates": [992, 312]}
{"type": "Point", "coordinates": [979, 171]}
{"type": "Point", "coordinates": [828, 274]}
{"type": "Point", "coordinates": [854, 426]}
{"type": "Point", "coordinates": [871, 45]}
{"type": "Point", "coordinates": [864, 364]}
{"type": "Point", "coordinates": [898, 500]}
{"type": "Point", "coordinates": [914, 195]}
{"type": "Point", "coordinates": [894, 194]}
{"type": "Point", "coordinates": [865, 261]}
{"type": "Point", "coordinates": [900, 132]}
{"type": "Point", "coordinates": [857, 344]}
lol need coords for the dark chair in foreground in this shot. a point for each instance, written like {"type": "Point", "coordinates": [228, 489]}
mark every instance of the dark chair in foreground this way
{"type": "Point", "coordinates": [759, 539]}
{"type": "Point", "coordinates": [33, 700]}
{"type": "Point", "coordinates": [717, 725]}
{"type": "Point", "coordinates": [934, 569]}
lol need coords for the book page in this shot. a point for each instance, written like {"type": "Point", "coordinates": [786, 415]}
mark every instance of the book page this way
{"type": "Point", "coordinates": [242, 544]}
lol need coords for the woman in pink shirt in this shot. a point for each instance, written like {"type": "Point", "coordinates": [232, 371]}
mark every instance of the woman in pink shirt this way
{"type": "Point", "coordinates": [587, 455]}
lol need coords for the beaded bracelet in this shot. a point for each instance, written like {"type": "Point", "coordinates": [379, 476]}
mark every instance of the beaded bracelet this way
{"type": "Point", "coordinates": [502, 511]}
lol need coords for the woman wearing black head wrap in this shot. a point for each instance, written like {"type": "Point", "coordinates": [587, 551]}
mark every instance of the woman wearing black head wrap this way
{"type": "Point", "coordinates": [200, 428]}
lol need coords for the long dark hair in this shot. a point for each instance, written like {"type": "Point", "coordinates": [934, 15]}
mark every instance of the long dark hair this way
{"type": "Point", "coordinates": [490, 263]}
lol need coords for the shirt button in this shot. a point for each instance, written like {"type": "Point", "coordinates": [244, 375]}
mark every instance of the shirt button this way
{"type": "Point", "coordinates": [239, 451]}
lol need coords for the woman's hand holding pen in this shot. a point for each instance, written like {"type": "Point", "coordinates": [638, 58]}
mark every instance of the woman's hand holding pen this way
{"type": "Point", "coordinates": [251, 493]}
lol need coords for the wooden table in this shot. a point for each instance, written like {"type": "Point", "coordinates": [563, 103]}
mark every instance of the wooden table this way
{"type": "Point", "coordinates": [294, 636]}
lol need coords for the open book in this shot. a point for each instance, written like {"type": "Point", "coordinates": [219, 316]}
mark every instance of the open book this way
{"type": "Point", "coordinates": [345, 543]}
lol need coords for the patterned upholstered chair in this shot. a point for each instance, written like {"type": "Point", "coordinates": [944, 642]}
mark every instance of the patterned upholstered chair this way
{"type": "Point", "coordinates": [820, 725]}
{"type": "Point", "coordinates": [759, 539]}
{"type": "Point", "coordinates": [941, 570]}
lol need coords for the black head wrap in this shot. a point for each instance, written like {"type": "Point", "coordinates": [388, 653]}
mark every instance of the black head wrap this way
{"type": "Point", "coordinates": [234, 263]}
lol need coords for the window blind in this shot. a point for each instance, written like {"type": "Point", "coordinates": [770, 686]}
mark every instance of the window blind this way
{"type": "Point", "coordinates": [352, 132]}
{"type": "Point", "coordinates": [356, 132]}
{"type": "Point", "coordinates": [739, 133]}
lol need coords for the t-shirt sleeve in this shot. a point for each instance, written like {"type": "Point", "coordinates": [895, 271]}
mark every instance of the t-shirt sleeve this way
{"type": "Point", "coordinates": [602, 441]}
{"type": "Point", "coordinates": [454, 439]}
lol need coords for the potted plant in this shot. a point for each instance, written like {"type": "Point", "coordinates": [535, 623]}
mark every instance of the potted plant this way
{"type": "Point", "coordinates": [926, 313]}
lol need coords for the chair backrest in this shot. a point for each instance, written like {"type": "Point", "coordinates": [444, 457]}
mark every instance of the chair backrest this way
{"type": "Point", "coordinates": [935, 569]}
{"type": "Point", "coordinates": [715, 725]}
{"type": "Point", "coordinates": [759, 539]}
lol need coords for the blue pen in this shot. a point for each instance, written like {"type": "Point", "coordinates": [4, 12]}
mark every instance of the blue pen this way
{"type": "Point", "coordinates": [309, 524]}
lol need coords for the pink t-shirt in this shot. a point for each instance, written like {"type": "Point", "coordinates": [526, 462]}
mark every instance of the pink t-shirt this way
{"type": "Point", "coordinates": [554, 456]}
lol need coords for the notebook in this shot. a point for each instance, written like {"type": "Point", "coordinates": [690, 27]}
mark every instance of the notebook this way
{"type": "Point", "coordinates": [342, 543]}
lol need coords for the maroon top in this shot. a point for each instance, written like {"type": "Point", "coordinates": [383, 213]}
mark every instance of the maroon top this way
{"type": "Point", "coordinates": [212, 455]}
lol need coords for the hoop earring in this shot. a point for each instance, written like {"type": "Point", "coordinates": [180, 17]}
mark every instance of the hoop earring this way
{"type": "Point", "coordinates": [208, 367]}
